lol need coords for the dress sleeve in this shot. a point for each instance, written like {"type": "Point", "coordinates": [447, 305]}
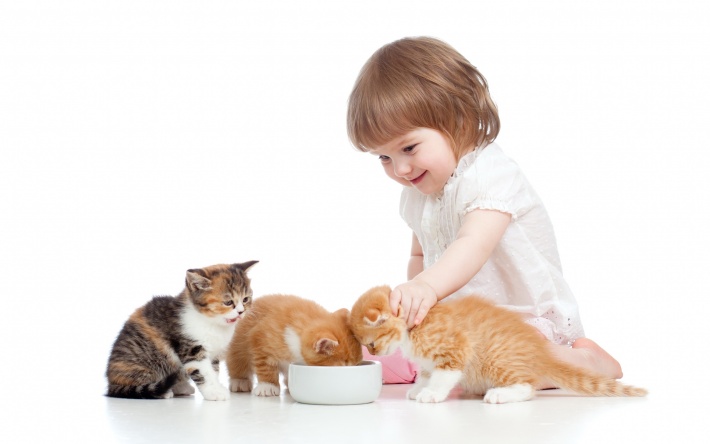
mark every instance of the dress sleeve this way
{"type": "Point", "coordinates": [411, 207]}
{"type": "Point", "coordinates": [494, 182]}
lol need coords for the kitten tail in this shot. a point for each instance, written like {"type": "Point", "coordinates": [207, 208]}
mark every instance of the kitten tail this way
{"type": "Point", "coordinates": [579, 381]}
{"type": "Point", "coordinates": [147, 391]}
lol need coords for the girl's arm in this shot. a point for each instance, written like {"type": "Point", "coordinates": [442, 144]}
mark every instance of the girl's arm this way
{"type": "Point", "coordinates": [479, 234]}
{"type": "Point", "coordinates": [416, 266]}
{"type": "Point", "coordinates": [416, 259]}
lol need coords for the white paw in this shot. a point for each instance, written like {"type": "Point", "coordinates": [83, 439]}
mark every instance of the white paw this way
{"type": "Point", "coordinates": [240, 385]}
{"type": "Point", "coordinates": [413, 392]}
{"type": "Point", "coordinates": [429, 395]}
{"type": "Point", "coordinates": [169, 394]}
{"type": "Point", "coordinates": [266, 389]}
{"type": "Point", "coordinates": [183, 388]}
{"type": "Point", "coordinates": [513, 393]}
{"type": "Point", "coordinates": [214, 392]}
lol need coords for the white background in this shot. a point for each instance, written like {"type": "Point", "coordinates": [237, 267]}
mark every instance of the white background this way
{"type": "Point", "coordinates": [142, 138]}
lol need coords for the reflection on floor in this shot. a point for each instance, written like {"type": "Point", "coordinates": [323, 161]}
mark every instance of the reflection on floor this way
{"type": "Point", "coordinates": [554, 416]}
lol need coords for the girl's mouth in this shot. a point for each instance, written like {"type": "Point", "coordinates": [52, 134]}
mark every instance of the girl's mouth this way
{"type": "Point", "coordinates": [418, 179]}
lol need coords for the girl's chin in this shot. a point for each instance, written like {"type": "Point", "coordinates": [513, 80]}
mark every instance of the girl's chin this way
{"type": "Point", "coordinates": [424, 189]}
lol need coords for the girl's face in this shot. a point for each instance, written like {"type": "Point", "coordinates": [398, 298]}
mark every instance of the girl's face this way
{"type": "Point", "coordinates": [422, 159]}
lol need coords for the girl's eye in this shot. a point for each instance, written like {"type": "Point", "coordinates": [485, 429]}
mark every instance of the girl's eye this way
{"type": "Point", "coordinates": [384, 159]}
{"type": "Point", "coordinates": [409, 149]}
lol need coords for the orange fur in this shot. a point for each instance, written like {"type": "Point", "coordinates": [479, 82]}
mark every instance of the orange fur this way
{"type": "Point", "coordinates": [280, 329]}
{"type": "Point", "coordinates": [491, 347]}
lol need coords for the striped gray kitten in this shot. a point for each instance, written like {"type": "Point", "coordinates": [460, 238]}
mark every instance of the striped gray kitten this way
{"type": "Point", "coordinates": [171, 340]}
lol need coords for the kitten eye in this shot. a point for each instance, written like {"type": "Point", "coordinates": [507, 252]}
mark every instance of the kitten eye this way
{"type": "Point", "coordinates": [246, 299]}
{"type": "Point", "coordinates": [229, 303]}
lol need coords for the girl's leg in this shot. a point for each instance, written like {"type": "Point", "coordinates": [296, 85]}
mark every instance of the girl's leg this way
{"type": "Point", "coordinates": [396, 369]}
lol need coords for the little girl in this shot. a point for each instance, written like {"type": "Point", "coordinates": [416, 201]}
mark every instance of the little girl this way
{"type": "Point", "coordinates": [478, 226]}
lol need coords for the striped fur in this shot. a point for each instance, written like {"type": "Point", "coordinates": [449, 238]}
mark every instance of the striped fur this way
{"type": "Point", "coordinates": [483, 348]}
{"type": "Point", "coordinates": [280, 329]}
{"type": "Point", "coordinates": [172, 340]}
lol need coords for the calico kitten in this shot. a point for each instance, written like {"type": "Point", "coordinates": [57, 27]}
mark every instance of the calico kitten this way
{"type": "Point", "coordinates": [170, 339]}
{"type": "Point", "coordinates": [281, 329]}
{"type": "Point", "coordinates": [486, 349]}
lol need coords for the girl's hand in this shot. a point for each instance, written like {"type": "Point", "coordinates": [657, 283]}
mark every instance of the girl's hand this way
{"type": "Point", "coordinates": [416, 298]}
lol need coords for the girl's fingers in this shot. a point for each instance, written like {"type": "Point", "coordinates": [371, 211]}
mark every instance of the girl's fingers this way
{"type": "Point", "coordinates": [414, 310]}
{"type": "Point", "coordinates": [395, 300]}
{"type": "Point", "coordinates": [406, 304]}
{"type": "Point", "coordinates": [421, 314]}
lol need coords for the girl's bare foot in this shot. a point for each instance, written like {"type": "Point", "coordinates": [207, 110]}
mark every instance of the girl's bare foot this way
{"type": "Point", "coordinates": [587, 354]}
{"type": "Point", "coordinates": [595, 358]}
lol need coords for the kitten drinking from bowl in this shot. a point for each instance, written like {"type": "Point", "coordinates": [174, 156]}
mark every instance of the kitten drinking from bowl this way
{"type": "Point", "coordinates": [284, 329]}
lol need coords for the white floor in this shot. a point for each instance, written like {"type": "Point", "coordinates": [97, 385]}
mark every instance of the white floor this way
{"type": "Point", "coordinates": [670, 413]}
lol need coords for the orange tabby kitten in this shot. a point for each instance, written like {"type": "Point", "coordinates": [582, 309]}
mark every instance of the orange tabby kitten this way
{"type": "Point", "coordinates": [280, 329]}
{"type": "Point", "coordinates": [470, 342]}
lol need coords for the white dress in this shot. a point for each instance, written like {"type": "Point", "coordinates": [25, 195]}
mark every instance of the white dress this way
{"type": "Point", "coordinates": [523, 273]}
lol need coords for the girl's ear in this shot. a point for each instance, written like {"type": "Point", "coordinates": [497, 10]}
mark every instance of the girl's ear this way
{"type": "Point", "coordinates": [375, 318]}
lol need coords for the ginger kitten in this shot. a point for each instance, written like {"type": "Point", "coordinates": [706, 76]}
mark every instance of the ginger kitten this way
{"type": "Point", "coordinates": [171, 340]}
{"type": "Point", "coordinates": [486, 349]}
{"type": "Point", "coordinates": [281, 329]}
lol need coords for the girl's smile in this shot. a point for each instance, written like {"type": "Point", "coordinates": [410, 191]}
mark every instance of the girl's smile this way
{"type": "Point", "coordinates": [421, 158]}
{"type": "Point", "coordinates": [418, 179]}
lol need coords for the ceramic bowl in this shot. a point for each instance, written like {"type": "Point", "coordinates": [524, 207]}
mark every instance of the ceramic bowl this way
{"type": "Point", "coordinates": [359, 384]}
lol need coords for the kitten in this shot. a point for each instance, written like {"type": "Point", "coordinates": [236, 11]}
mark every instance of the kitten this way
{"type": "Point", "coordinates": [171, 339]}
{"type": "Point", "coordinates": [486, 349]}
{"type": "Point", "coordinates": [281, 329]}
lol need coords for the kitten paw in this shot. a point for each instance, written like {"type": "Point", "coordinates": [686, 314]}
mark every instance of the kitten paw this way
{"type": "Point", "coordinates": [169, 394]}
{"type": "Point", "coordinates": [513, 393]}
{"type": "Point", "coordinates": [240, 385]}
{"type": "Point", "coordinates": [428, 395]}
{"type": "Point", "coordinates": [266, 389]}
{"type": "Point", "coordinates": [183, 388]}
{"type": "Point", "coordinates": [215, 393]}
{"type": "Point", "coordinates": [413, 392]}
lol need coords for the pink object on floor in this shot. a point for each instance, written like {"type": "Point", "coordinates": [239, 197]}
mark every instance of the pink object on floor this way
{"type": "Point", "coordinates": [396, 369]}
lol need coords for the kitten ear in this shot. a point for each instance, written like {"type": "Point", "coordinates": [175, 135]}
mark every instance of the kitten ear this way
{"type": "Point", "coordinates": [343, 313]}
{"type": "Point", "coordinates": [195, 281]}
{"type": "Point", "coordinates": [325, 346]}
{"type": "Point", "coordinates": [375, 318]}
{"type": "Point", "coordinates": [245, 266]}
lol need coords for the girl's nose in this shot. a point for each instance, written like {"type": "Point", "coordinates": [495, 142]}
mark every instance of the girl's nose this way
{"type": "Point", "coordinates": [401, 168]}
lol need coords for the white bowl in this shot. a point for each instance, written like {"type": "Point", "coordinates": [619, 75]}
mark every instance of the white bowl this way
{"type": "Point", "coordinates": [357, 384]}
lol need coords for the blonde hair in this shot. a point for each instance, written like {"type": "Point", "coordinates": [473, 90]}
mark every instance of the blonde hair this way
{"type": "Point", "coordinates": [421, 82]}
